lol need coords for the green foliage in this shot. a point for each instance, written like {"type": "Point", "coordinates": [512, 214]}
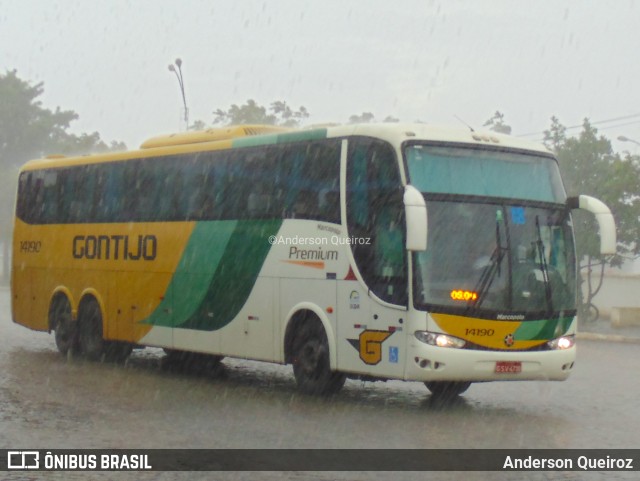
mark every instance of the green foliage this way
{"type": "Point", "coordinates": [497, 123]}
{"type": "Point", "coordinates": [28, 131]}
{"type": "Point", "coordinates": [363, 118]}
{"type": "Point", "coordinates": [368, 117]}
{"type": "Point", "coordinates": [279, 113]}
{"type": "Point", "coordinates": [86, 143]}
{"type": "Point", "coordinates": [286, 116]}
{"type": "Point", "coordinates": [198, 125]}
{"type": "Point", "coordinates": [556, 136]}
{"type": "Point", "coordinates": [589, 166]}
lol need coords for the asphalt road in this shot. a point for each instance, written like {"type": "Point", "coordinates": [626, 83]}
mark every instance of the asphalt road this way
{"type": "Point", "coordinates": [51, 402]}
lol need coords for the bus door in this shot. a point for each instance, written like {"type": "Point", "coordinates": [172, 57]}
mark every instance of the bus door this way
{"type": "Point", "coordinates": [372, 336]}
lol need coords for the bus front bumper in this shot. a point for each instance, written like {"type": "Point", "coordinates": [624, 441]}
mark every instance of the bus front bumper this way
{"type": "Point", "coordinates": [431, 363]}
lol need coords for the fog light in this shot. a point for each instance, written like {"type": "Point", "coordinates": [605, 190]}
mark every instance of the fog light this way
{"type": "Point", "coordinates": [440, 340]}
{"type": "Point", "coordinates": [561, 343]}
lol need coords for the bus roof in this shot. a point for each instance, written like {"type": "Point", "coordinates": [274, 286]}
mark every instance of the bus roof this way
{"type": "Point", "coordinates": [256, 135]}
{"type": "Point", "coordinates": [397, 133]}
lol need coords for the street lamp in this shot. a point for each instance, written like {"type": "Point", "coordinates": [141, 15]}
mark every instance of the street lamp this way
{"type": "Point", "coordinates": [178, 72]}
{"type": "Point", "coordinates": [622, 138]}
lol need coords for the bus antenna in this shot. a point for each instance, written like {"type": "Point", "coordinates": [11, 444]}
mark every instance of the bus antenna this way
{"type": "Point", "coordinates": [463, 122]}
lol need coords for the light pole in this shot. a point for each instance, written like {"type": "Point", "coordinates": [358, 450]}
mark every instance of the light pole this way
{"type": "Point", "coordinates": [622, 138]}
{"type": "Point", "coordinates": [178, 72]}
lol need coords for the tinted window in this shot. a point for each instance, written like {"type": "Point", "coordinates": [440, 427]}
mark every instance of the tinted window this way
{"type": "Point", "coordinates": [296, 180]}
{"type": "Point", "coordinates": [375, 212]}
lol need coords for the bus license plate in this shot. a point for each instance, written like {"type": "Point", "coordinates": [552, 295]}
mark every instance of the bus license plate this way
{"type": "Point", "coordinates": [508, 367]}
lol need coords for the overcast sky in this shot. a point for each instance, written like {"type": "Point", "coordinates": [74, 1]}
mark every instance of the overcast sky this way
{"type": "Point", "coordinates": [414, 60]}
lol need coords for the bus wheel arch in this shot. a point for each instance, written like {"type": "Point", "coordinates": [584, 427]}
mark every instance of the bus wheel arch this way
{"type": "Point", "coordinates": [62, 322]}
{"type": "Point", "coordinates": [307, 348]}
{"type": "Point", "coordinates": [303, 314]}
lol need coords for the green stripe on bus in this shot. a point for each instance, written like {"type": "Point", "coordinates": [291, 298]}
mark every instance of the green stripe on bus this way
{"type": "Point", "coordinates": [216, 274]}
{"type": "Point", "coordinates": [255, 141]}
{"type": "Point", "coordinates": [287, 137]}
{"type": "Point", "coordinates": [543, 329]}
{"type": "Point", "coordinates": [193, 275]}
{"type": "Point", "coordinates": [305, 135]}
{"type": "Point", "coordinates": [235, 275]}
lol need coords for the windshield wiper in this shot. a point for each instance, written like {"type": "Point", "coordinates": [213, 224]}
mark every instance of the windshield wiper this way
{"type": "Point", "coordinates": [490, 271]}
{"type": "Point", "coordinates": [544, 267]}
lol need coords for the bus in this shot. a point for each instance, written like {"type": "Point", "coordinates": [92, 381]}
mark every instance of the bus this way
{"type": "Point", "coordinates": [375, 252]}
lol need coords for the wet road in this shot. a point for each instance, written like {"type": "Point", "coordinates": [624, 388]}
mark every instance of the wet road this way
{"type": "Point", "coordinates": [48, 401]}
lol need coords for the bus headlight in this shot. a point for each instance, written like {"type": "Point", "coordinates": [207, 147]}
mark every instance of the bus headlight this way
{"type": "Point", "coordinates": [440, 340]}
{"type": "Point", "coordinates": [561, 343]}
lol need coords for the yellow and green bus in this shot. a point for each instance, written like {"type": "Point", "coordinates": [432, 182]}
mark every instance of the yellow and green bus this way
{"type": "Point", "coordinates": [391, 251]}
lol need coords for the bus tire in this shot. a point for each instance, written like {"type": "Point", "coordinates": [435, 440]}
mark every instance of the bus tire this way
{"type": "Point", "coordinates": [311, 365]}
{"type": "Point", "coordinates": [65, 329]}
{"type": "Point", "coordinates": [92, 343]}
{"type": "Point", "coordinates": [447, 389]}
{"type": "Point", "coordinates": [93, 346]}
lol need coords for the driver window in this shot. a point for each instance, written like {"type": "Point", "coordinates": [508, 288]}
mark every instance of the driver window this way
{"type": "Point", "coordinates": [375, 213]}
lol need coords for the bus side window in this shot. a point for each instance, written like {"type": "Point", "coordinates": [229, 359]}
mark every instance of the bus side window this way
{"type": "Point", "coordinates": [145, 193]}
{"type": "Point", "coordinates": [375, 213]}
{"type": "Point", "coordinates": [256, 183]}
{"type": "Point", "coordinates": [323, 171]}
{"type": "Point", "coordinates": [23, 189]}
{"type": "Point", "coordinates": [77, 201]}
{"type": "Point", "coordinates": [50, 197]}
{"type": "Point", "coordinates": [112, 197]}
{"type": "Point", "coordinates": [99, 212]}
{"type": "Point", "coordinates": [310, 180]}
{"type": "Point", "coordinates": [171, 189]}
{"type": "Point", "coordinates": [28, 207]}
{"type": "Point", "coordinates": [306, 205]}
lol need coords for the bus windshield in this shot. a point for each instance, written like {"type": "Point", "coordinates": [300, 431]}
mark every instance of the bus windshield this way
{"type": "Point", "coordinates": [500, 238]}
{"type": "Point", "coordinates": [484, 172]}
{"type": "Point", "coordinates": [491, 257]}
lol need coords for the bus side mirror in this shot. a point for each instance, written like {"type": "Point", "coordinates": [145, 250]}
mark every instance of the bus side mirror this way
{"type": "Point", "coordinates": [603, 216]}
{"type": "Point", "coordinates": [416, 216]}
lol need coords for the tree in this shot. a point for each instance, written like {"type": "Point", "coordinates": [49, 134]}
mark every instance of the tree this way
{"type": "Point", "coordinates": [589, 166]}
{"type": "Point", "coordinates": [363, 118]}
{"type": "Point", "coordinates": [556, 136]}
{"type": "Point", "coordinates": [497, 123]}
{"type": "Point", "coordinates": [279, 113]}
{"type": "Point", "coordinates": [368, 117]}
{"type": "Point", "coordinates": [26, 128]}
{"type": "Point", "coordinates": [198, 125]}
{"type": "Point", "coordinates": [27, 131]}
{"type": "Point", "coordinates": [288, 117]}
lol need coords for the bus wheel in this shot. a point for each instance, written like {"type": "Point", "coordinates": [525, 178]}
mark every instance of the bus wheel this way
{"type": "Point", "coordinates": [92, 344]}
{"type": "Point", "coordinates": [311, 365]}
{"type": "Point", "coordinates": [66, 334]}
{"type": "Point", "coordinates": [447, 389]}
